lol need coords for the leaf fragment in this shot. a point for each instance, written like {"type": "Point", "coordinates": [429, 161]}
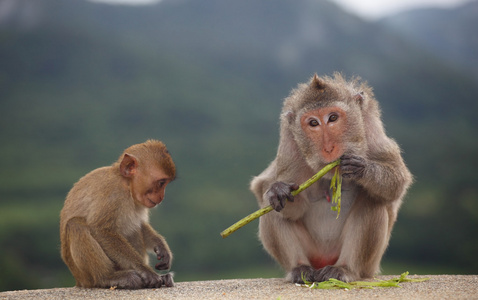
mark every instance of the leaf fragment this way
{"type": "Point", "coordinates": [336, 187]}
{"type": "Point", "coordinates": [337, 284]}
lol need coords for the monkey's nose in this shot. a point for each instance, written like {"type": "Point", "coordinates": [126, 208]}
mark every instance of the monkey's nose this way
{"type": "Point", "coordinates": [329, 149]}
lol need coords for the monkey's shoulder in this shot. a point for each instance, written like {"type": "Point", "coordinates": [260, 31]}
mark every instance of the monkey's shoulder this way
{"type": "Point", "coordinates": [100, 172]}
{"type": "Point", "coordinates": [98, 179]}
{"type": "Point", "coordinates": [94, 192]}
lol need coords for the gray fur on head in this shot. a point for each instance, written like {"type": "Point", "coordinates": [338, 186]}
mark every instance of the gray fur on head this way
{"type": "Point", "coordinates": [353, 96]}
{"type": "Point", "coordinates": [323, 91]}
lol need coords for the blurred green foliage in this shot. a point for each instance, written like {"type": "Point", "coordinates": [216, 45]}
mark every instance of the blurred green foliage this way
{"type": "Point", "coordinates": [80, 82]}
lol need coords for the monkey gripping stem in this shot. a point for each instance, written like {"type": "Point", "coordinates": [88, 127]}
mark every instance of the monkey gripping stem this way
{"type": "Point", "coordinates": [242, 222]}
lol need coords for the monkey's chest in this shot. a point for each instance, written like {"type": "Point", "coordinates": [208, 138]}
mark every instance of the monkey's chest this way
{"type": "Point", "coordinates": [323, 200]}
{"type": "Point", "coordinates": [131, 222]}
{"type": "Point", "coordinates": [324, 224]}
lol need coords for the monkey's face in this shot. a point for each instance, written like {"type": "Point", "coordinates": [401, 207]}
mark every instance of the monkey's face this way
{"type": "Point", "coordinates": [149, 186]}
{"type": "Point", "coordinates": [325, 127]}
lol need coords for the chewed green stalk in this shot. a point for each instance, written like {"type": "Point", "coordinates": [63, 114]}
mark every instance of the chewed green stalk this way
{"type": "Point", "coordinates": [269, 208]}
{"type": "Point", "coordinates": [336, 187]}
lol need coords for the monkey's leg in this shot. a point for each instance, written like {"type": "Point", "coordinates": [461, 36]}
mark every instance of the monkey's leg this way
{"type": "Point", "coordinates": [89, 264]}
{"type": "Point", "coordinates": [284, 240]}
{"type": "Point", "coordinates": [364, 242]}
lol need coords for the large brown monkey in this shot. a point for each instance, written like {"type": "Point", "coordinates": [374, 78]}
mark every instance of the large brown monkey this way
{"type": "Point", "coordinates": [104, 224]}
{"type": "Point", "coordinates": [322, 121]}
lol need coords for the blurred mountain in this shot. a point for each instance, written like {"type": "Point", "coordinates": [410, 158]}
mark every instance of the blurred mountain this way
{"type": "Point", "coordinates": [448, 33]}
{"type": "Point", "coordinates": [81, 81]}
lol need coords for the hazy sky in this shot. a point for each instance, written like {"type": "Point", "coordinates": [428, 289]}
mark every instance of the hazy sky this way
{"type": "Point", "coordinates": [369, 9]}
{"type": "Point", "coordinates": [372, 9]}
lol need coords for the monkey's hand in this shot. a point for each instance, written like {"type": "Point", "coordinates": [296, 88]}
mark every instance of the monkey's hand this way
{"type": "Point", "coordinates": [164, 258]}
{"type": "Point", "coordinates": [352, 166]}
{"type": "Point", "coordinates": [279, 192]}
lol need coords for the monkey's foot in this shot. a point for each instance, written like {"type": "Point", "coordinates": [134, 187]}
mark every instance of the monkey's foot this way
{"type": "Point", "coordinates": [308, 273]}
{"type": "Point", "coordinates": [167, 280]}
{"type": "Point", "coordinates": [301, 273]}
{"type": "Point", "coordinates": [339, 273]}
{"type": "Point", "coordinates": [123, 280]}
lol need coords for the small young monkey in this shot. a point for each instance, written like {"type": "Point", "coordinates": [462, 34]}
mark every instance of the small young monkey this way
{"type": "Point", "coordinates": [104, 224]}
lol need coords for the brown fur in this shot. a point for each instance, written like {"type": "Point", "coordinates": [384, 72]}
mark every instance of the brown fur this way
{"type": "Point", "coordinates": [305, 232]}
{"type": "Point", "coordinates": [104, 227]}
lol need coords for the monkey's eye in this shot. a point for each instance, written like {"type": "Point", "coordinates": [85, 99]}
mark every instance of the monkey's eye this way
{"type": "Point", "coordinates": [333, 118]}
{"type": "Point", "coordinates": [161, 183]}
{"type": "Point", "coordinates": [313, 123]}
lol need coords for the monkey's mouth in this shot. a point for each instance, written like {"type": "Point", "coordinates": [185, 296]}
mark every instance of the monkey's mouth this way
{"type": "Point", "coordinates": [153, 203]}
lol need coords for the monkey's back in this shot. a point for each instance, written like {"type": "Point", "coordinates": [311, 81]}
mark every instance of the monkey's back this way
{"type": "Point", "coordinates": [83, 198]}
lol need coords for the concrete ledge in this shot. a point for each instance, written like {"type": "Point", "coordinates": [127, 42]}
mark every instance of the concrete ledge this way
{"type": "Point", "coordinates": [438, 287]}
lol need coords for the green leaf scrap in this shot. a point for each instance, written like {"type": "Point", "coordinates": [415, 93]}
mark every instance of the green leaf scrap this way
{"type": "Point", "coordinates": [337, 284]}
{"type": "Point", "coordinates": [336, 187]}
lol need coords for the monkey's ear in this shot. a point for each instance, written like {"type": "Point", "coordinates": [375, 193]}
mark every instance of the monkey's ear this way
{"type": "Point", "coordinates": [289, 116]}
{"type": "Point", "coordinates": [128, 165]}
{"type": "Point", "coordinates": [317, 83]}
{"type": "Point", "coordinates": [359, 98]}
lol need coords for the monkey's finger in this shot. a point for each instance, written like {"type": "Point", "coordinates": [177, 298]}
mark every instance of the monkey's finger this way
{"type": "Point", "coordinates": [282, 200]}
{"type": "Point", "coordinates": [352, 167]}
{"type": "Point", "coordinates": [277, 205]}
{"type": "Point", "coordinates": [167, 280]}
{"type": "Point", "coordinates": [289, 197]}
{"type": "Point", "coordinates": [276, 196]}
{"type": "Point", "coordinates": [284, 192]}
{"type": "Point", "coordinates": [159, 250]}
{"type": "Point", "coordinates": [162, 266]}
{"type": "Point", "coordinates": [277, 201]}
{"type": "Point", "coordinates": [354, 172]}
{"type": "Point", "coordinates": [160, 255]}
{"type": "Point", "coordinates": [164, 263]}
{"type": "Point", "coordinates": [352, 160]}
{"type": "Point", "coordinates": [350, 170]}
{"type": "Point", "coordinates": [288, 194]}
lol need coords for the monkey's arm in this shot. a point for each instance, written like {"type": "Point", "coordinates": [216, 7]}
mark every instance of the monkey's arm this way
{"type": "Point", "coordinates": [118, 249]}
{"type": "Point", "coordinates": [156, 242]}
{"type": "Point", "coordinates": [382, 172]}
{"type": "Point", "coordinates": [383, 175]}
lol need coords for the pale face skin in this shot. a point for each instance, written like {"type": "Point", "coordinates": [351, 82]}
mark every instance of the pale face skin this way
{"type": "Point", "coordinates": [146, 183]}
{"type": "Point", "coordinates": [325, 127]}
{"type": "Point", "coordinates": [149, 190]}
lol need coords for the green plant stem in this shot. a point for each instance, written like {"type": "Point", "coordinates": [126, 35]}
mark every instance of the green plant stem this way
{"type": "Point", "coordinates": [242, 222]}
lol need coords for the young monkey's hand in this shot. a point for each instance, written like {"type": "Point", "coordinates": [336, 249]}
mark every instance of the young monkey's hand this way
{"type": "Point", "coordinates": [279, 193]}
{"type": "Point", "coordinates": [163, 257]}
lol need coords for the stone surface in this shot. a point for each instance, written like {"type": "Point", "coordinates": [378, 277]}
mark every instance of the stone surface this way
{"type": "Point", "coordinates": [438, 287]}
